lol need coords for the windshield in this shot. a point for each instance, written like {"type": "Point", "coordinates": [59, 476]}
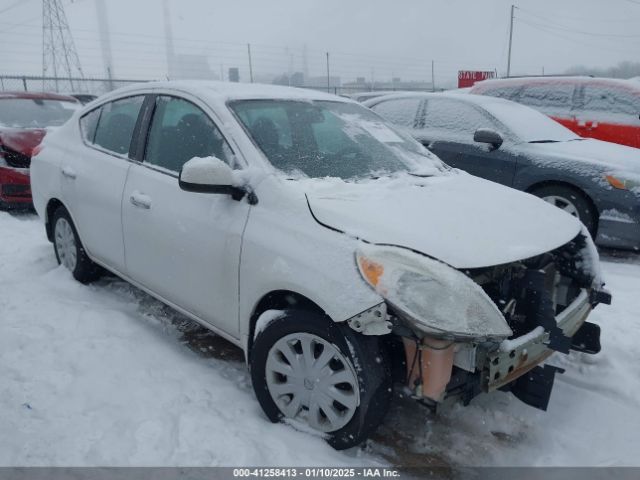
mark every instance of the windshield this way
{"type": "Point", "coordinates": [528, 124]}
{"type": "Point", "coordinates": [331, 139]}
{"type": "Point", "coordinates": [35, 113]}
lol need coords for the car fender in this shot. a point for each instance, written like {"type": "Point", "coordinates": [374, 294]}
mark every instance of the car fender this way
{"type": "Point", "coordinates": [284, 248]}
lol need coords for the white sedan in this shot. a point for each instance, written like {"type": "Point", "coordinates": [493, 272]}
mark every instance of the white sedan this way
{"type": "Point", "coordinates": [337, 252]}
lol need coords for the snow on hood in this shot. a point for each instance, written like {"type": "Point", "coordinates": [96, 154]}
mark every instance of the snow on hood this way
{"type": "Point", "coordinates": [459, 219]}
{"type": "Point", "coordinates": [619, 157]}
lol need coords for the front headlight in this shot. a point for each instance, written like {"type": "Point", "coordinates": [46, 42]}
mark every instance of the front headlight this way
{"type": "Point", "coordinates": [433, 297]}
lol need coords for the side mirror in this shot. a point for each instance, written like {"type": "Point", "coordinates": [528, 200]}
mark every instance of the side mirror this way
{"type": "Point", "coordinates": [486, 135]}
{"type": "Point", "coordinates": [212, 175]}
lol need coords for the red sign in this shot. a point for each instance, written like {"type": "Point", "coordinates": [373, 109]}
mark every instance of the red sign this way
{"type": "Point", "coordinates": [466, 78]}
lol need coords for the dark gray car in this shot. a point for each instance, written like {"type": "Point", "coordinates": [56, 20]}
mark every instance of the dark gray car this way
{"type": "Point", "coordinates": [508, 143]}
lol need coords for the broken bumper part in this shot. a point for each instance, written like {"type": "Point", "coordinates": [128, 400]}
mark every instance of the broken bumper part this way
{"type": "Point", "coordinates": [516, 357]}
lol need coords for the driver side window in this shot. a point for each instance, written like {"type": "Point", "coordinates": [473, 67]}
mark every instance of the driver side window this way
{"type": "Point", "coordinates": [181, 131]}
{"type": "Point", "coordinates": [455, 118]}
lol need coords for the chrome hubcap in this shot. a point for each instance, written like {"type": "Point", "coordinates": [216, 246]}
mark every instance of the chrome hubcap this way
{"type": "Point", "coordinates": [66, 244]}
{"type": "Point", "coordinates": [563, 204]}
{"type": "Point", "coordinates": [310, 380]}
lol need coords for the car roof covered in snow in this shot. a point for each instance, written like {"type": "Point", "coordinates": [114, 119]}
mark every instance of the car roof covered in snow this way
{"type": "Point", "coordinates": [551, 80]}
{"type": "Point", "coordinates": [231, 90]}
{"type": "Point", "coordinates": [454, 95]}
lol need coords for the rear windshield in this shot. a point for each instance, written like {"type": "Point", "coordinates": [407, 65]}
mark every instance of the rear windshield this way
{"type": "Point", "coordinates": [35, 113]}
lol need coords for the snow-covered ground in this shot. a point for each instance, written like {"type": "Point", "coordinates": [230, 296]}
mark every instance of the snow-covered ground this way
{"type": "Point", "coordinates": [105, 375]}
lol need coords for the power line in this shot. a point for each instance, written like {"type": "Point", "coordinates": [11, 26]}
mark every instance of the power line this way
{"type": "Point", "coordinates": [581, 32]}
{"type": "Point", "coordinates": [580, 42]}
{"type": "Point", "coordinates": [572, 18]}
{"type": "Point", "coordinates": [13, 5]}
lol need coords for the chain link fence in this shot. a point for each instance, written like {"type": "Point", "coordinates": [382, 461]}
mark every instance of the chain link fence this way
{"type": "Point", "coordinates": [98, 86]}
{"type": "Point", "coordinates": [94, 86]}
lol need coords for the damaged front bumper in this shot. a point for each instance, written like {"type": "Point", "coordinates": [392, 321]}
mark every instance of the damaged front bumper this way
{"type": "Point", "coordinates": [516, 357]}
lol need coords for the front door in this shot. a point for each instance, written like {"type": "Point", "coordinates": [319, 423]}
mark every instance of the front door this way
{"type": "Point", "coordinates": [183, 246]}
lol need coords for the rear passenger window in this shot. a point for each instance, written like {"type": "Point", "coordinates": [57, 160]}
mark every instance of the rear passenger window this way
{"type": "Point", "coordinates": [454, 118]}
{"type": "Point", "coordinates": [115, 126]}
{"type": "Point", "coordinates": [400, 112]}
{"type": "Point", "coordinates": [181, 131]}
{"type": "Point", "coordinates": [88, 124]}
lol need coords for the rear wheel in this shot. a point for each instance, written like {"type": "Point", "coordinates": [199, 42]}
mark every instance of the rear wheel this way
{"type": "Point", "coordinates": [307, 369]}
{"type": "Point", "coordinates": [571, 201]}
{"type": "Point", "coordinates": [69, 250]}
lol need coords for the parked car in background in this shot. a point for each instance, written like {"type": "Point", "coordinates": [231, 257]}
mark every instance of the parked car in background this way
{"type": "Point", "coordinates": [24, 118]}
{"type": "Point", "coordinates": [334, 249]}
{"type": "Point", "coordinates": [83, 98]}
{"type": "Point", "coordinates": [363, 96]}
{"type": "Point", "coordinates": [508, 143]}
{"type": "Point", "coordinates": [603, 108]}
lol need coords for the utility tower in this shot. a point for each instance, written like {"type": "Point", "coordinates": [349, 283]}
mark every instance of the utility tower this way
{"type": "Point", "coordinates": [105, 40]}
{"type": "Point", "coordinates": [59, 55]}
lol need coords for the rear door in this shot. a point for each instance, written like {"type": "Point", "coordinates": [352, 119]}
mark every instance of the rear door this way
{"type": "Point", "coordinates": [92, 183]}
{"type": "Point", "coordinates": [447, 127]}
{"type": "Point", "coordinates": [610, 112]}
{"type": "Point", "coordinates": [183, 246]}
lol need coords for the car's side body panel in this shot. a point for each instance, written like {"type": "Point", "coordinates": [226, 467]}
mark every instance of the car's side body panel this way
{"type": "Point", "coordinates": [298, 255]}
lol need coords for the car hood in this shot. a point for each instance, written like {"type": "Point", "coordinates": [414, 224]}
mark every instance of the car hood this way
{"type": "Point", "coordinates": [619, 157]}
{"type": "Point", "coordinates": [21, 140]}
{"type": "Point", "coordinates": [459, 219]}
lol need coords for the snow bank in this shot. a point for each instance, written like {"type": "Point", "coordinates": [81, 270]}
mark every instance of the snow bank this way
{"type": "Point", "coordinates": [99, 376]}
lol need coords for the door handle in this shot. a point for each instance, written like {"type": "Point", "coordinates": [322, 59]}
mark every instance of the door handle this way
{"type": "Point", "coordinates": [69, 172]}
{"type": "Point", "coordinates": [140, 200]}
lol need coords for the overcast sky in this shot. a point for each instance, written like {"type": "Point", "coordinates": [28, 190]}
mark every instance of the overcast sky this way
{"type": "Point", "coordinates": [370, 38]}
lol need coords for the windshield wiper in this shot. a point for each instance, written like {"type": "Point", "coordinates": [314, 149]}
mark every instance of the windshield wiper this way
{"type": "Point", "coordinates": [421, 175]}
{"type": "Point", "coordinates": [544, 141]}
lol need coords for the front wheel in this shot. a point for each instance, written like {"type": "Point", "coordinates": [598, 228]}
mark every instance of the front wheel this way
{"type": "Point", "coordinates": [307, 369]}
{"type": "Point", "coordinates": [571, 201]}
{"type": "Point", "coordinates": [69, 250]}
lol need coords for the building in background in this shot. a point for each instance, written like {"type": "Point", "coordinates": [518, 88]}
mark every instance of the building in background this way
{"type": "Point", "coordinates": [363, 85]}
{"type": "Point", "coordinates": [234, 74]}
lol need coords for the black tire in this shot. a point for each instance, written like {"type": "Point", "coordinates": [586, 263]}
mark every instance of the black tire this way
{"type": "Point", "coordinates": [373, 372]}
{"type": "Point", "coordinates": [587, 214]}
{"type": "Point", "coordinates": [85, 270]}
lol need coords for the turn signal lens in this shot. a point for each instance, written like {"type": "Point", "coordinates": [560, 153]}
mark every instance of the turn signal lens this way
{"type": "Point", "coordinates": [616, 182]}
{"type": "Point", "coordinates": [371, 270]}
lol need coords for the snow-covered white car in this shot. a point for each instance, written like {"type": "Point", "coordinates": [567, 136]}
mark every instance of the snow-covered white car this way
{"type": "Point", "coordinates": [337, 252]}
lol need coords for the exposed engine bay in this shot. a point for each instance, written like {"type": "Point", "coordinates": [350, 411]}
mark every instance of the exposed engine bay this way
{"type": "Point", "coordinates": [545, 300]}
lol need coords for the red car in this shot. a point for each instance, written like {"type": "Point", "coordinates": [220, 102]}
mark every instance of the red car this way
{"type": "Point", "coordinates": [24, 118]}
{"type": "Point", "coordinates": [603, 108]}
